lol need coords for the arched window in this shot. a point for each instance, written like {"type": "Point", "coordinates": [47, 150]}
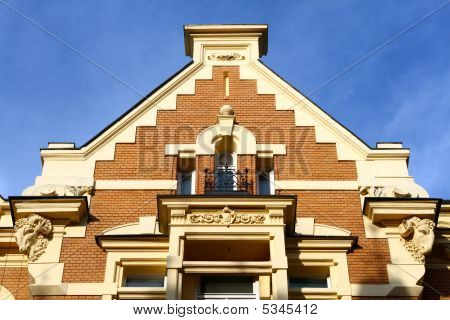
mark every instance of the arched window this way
{"type": "Point", "coordinates": [225, 165]}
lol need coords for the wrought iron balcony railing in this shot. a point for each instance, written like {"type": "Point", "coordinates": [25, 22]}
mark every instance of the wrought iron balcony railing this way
{"type": "Point", "coordinates": [228, 181]}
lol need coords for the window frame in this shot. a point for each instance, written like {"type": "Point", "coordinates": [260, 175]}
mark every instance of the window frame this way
{"type": "Point", "coordinates": [229, 296]}
{"type": "Point", "coordinates": [328, 281]}
{"type": "Point", "coordinates": [271, 181]}
{"type": "Point", "coordinates": [180, 181]}
{"type": "Point", "coordinates": [145, 276]}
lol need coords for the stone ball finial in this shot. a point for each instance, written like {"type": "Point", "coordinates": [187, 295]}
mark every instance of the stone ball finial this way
{"type": "Point", "coordinates": [226, 110]}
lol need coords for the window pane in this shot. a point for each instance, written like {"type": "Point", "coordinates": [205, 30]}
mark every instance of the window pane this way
{"type": "Point", "coordinates": [226, 285]}
{"type": "Point", "coordinates": [185, 181]}
{"type": "Point", "coordinates": [142, 281]}
{"type": "Point", "coordinates": [298, 283]}
{"type": "Point", "coordinates": [264, 183]}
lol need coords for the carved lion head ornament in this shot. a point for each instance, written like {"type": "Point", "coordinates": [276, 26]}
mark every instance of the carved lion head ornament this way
{"type": "Point", "coordinates": [417, 236]}
{"type": "Point", "coordinates": [31, 235]}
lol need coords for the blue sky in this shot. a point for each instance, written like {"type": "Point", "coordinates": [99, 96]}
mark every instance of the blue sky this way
{"type": "Point", "coordinates": [49, 93]}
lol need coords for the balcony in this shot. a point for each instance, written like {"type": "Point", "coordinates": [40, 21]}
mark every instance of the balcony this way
{"type": "Point", "coordinates": [228, 181]}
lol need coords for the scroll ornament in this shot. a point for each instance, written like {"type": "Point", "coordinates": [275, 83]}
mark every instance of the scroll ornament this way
{"type": "Point", "coordinates": [227, 217]}
{"type": "Point", "coordinates": [32, 235]}
{"type": "Point", "coordinates": [417, 236]}
{"type": "Point", "coordinates": [226, 57]}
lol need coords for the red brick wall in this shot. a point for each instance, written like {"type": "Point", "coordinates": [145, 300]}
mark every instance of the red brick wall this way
{"type": "Point", "coordinates": [145, 159]}
{"type": "Point", "coordinates": [16, 280]}
{"type": "Point", "coordinates": [202, 163]}
{"type": "Point", "coordinates": [83, 260]}
{"type": "Point", "coordinates": [305, 158]}
{"type": "Point", "coordinates": [367, 263]}
{"type": "Point", "coordinates": [248, 162]}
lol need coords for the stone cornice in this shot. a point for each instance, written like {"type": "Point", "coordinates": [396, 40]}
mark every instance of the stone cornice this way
{"type": "Point", "coordinates": [65, 208]}
{"type": "Point", "coordinates": [172, 203]}
{"type": "Point", "coordinates": [392, 211]}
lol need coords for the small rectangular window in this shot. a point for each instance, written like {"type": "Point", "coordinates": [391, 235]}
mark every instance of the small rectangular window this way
{"type": "Point", "coordinates": [226, 285]}
{"type": "Point", "coordinates": [144, 281]}
{"type": "Point", "coordinates": [309, 282]}
{"type": "Point", "coordinates": [186, 183]}
{"type": "Point", "coordinates": [265, 183]}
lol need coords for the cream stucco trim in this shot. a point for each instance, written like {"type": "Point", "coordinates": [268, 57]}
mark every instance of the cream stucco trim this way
{"type": "Point", "coordinates": [5, 214]}
{"type": "Point", "coordinates": [314, 294]}
{"type": "Point", "coordinates": [5, 294]}
{"type": "Point", "coordinates": [136, 184]}
{"type": "Point", "coordinates": [13, 260]}
{"type": "Point", "coordinates": [331, 253]}
{"type": "Point", "coordinates": [73, 289]}
{"type": "Point", "coordinates": [308, 227]}
{"type": "Point", "coordinates": [385, 290]}
{"type": "Point", "coordinates": [243, 139]}
{"type": "Point", "coordinates": [315, 185]}
{"type": "Point", "coordinates": [146, 225]}
{"type": "Point", "coordinates": [372, 164]}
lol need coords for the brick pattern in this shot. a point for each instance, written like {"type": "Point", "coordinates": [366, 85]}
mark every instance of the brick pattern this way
{"type": "Point", "coordinates": [16, 280]}
{"type": "Point", "coordinates": [83, 260]}
{"type": "Point", "coordinates": [145, 159]}
{"type": "Point", "coordinates": [367, 262]}
{"type": "Point", "coordinates": [305, 158]}
{"type": "Point", "coordinates": [248, 162]}
{"type": "Point", "coordinates": [201, 163]}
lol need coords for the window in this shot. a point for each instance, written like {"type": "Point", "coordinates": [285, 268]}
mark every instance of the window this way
{"type": "Point", "coordinates": [265, 183]}
{"type": "Point", "coordinates": [186, 183]}
{"type": "Point", "coordinates": [225, 171]}
{"type": "Point", "coordinates": [309, 282]}
{"type": "Point", "coordinates": [145, 281]}
{"type": "Point", "coordinates": [186, 176]}
{"type": "Point", "coordinates": [228, 287]}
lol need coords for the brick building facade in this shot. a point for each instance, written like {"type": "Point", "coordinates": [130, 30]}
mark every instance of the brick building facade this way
{"type": "Point", "coordinates": [224, 183]}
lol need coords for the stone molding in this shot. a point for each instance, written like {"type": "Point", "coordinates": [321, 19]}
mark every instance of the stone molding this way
{"type": "Point", "coordinates": [227, 217]}
{"type": "Point", "coordinates": [47, 190]}
{"type": "Point", "coordinates": [226, 57]}
{"type": "Point", "coordinates": [393, 191]}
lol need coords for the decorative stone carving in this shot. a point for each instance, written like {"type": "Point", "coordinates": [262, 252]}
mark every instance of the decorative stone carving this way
{"type": "Point", "coordinates": [226, 57]}
{"type": "Point", "coordinates": [417, 236]}
{"type": "Point", "coordinates": [227, 217]}
{"type": "Point", "coordinates": [58, 190]}
{"type": "Point", "coordinates": [389, 191]}
{"type": "Point", "coordinates": [226, 110]}
{"type": "Point", "coordinates": [31, 235]}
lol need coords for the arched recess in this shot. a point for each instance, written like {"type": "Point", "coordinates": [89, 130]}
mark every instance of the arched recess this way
{"type": "Point", "coordinates": [243, 141]}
